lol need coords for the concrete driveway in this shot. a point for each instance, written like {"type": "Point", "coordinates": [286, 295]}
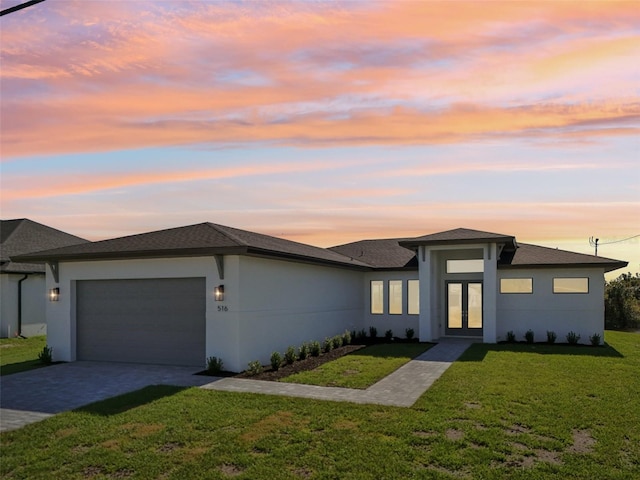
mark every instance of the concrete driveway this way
{"type": "Point", "coordinates": [31, 396]}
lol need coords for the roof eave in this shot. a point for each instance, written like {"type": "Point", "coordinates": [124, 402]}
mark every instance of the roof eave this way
{"type": "Point", "coordinates": [139, 254]}
{"type": "Point", "coordinates": [411, 244]}
{"type": "Point", "coordinates": [608, 267]}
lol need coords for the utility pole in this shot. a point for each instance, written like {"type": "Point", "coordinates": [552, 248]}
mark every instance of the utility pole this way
{"type": "Point", "coordinates": [594, 243]}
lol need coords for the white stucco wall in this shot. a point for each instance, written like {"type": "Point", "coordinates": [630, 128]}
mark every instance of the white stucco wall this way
{"type": "Point", "coordinates": [268, 304]}
{"type": "Point", "coordinates": [33, 305]}
{"type": "Point", "coordinates": [543, 310]}
{"type": "Point", "coordinates": [283, 303]}
{"type": "Point", "coordinates": [383, 322]}
{"type": "Point", "coordinates": [61, 321]}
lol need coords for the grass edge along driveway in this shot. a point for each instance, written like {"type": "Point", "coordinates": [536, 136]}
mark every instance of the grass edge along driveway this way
{"type": "Point", "coordinates": [20, 354]}
{"type": "Point", "coordinates": [499, 412]}
{"type": "Point", "coordinates": [362, 368]}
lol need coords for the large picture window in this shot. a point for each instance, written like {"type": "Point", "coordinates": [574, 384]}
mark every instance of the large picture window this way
{"type": "Point", "coordinates": [413, 294]}
{"type": "Point", "coordinates": [395, 297]}
{"type": "Point", "coordinates": [516, 285]}
{"type": "Point", "coordinates": [377, 297]}
{"type": "Point", "coordinates": [570, 285]}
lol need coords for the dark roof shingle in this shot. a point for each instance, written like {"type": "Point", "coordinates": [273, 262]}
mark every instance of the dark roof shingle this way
{"type": "Point", "coordinates": [381, 254]}
{"type": "Point", "coordinates": [527, 255]}
{"type": "Point", "coordinates": [458, 236]}
{"type": "Point", "coordinates": [199, 239]}
{"type": "Point", "coordinates": [24, 236]}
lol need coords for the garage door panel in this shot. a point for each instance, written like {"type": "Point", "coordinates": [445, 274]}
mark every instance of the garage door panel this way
{"type": "Point", "coordinates": [158, 321]}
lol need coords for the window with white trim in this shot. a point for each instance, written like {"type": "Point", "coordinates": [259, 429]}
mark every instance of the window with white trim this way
{"type": "Point", "coordinates": [395, 297]}
{"type": "Point", "coordinates": [377, 297]}
{"type": "Point", "coordinates": [516, 285]}
{"type": "Point", "coordinates": [413, 297]}
{"type": "Point", "coordinates": [571, 285]}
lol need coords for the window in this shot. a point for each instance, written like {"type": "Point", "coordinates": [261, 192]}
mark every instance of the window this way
{"type": "Point", "coordinates": [465, 266]}
{"type": "Point", "coordinates": [377, 296]}
{"type": "Point", "coordinates": [516, 285]}
{"type": "Point", "coordinates": [570, 285]}
{"type": "Point", "coordinates": [413, 300]}
{"type": "Point", "coordinates": [395, 297]}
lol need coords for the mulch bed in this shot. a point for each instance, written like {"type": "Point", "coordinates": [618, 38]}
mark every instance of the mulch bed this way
{"type": "Point", "coordinates": [309, 363]}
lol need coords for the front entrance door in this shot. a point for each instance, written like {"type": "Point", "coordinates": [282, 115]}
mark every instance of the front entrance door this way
{"type": "Point", "coordinates": [464, 308]}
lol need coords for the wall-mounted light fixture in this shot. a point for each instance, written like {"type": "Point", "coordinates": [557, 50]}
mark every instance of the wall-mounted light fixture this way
{"type": "Point", "coordinates": [218, 293]}
{"type": "Point", "coordinates": [54, 294]}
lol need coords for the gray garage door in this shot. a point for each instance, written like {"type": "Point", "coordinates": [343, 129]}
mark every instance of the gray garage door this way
{"type": "Point", "coordinates": [156, 321]}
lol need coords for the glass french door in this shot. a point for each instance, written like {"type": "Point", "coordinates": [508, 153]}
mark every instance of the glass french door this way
{"type": "Point", "coordinates": [464, 308]}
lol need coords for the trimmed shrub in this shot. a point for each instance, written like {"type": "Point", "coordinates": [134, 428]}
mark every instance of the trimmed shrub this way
{"type": "Point", "coordinates": [511, 337]}
{"type": "Point", "coordinates": [315, 348]}
{"type": "Point", "coordinates": [362, 334]}
{"type": "Point", "coordinates": [573, 338]}
{"type": "Point", "coordinates": [254, 368]}
{"type": "Point", "coordinates": [290, 355]}
{"type": "Point", "coordinates": [409, 333]}
{"type": "Point", "coordinates": [214, 365]}
{"type": "Point", "coordinates": [346, 337]}
{"type": "Point", "coordinates": [388, 335]}
{"type": "Point", "coordinates": [46, 355]}
{"type": "Point", "coordinates": [595, 339]}
{"type": "Point", "coordinates": [327, 345]}
{"type": "Point", "coordinates": [304, 351]}
{"type": "Point", "coordinates": [529, 336]}
{"type": "Point", "coordinates": [336, 341]}
{"type": "Point", "coordinates": [373, 332]}
{"type": "Point", "coordinates": [276, 360]}
{"type": "Point", "coordinates": [551, 336]}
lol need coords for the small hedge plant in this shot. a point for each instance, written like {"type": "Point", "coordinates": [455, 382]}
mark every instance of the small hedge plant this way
{"type": "Point", "coordinates": [595, 339]}
{"type": "Point", "coordinates": [304, 351]}
{"type": "Point", "coordinates": [276, 361]}
{"type": "Point", "coordinates": [373, 332]}
{"type": "Point", "coordinates": [388, 335]}
{"type": "Point", "coordinates": [290, 355]}
{"type": "Point", "coordinates": [409, 333]}
{"type": "Point", "coordinates": [573, 338]}
{"type": "Point", "coordinates": [529, 336]}
{"type": "Point", "coordinates": [46, 355]}
{"type": "Point", "coordinates": [346, 337]}
{"type": "Point", "coordinates": [551, 336]}
{"type": "Point", "coordinates": [315, 348]}
{"type": "Point", "coordinates": [511, 337]}
{"type": "Point", "coordinates": [214, 365]}
{"type": "Point", "coordinates": [254, 368]}
{"type": "Point", "coordinates": [327, 345]}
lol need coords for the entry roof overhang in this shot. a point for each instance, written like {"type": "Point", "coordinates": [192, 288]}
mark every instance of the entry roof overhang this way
{"type": "Point", "coordinates": [460, 236]}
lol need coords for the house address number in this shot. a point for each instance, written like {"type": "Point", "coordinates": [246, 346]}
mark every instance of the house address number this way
{"type": "Point", "coordinates": [223, 308]}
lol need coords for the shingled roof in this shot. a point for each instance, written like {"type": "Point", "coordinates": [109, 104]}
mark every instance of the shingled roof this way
{"type": "Point", "coordinates": [458, 236]}
{"type": "Point", "coordinates": [534, 256]}
{"type": "Point", "coordinates": [194, 240]}
{"type": "Point", "coordinates": [381, 254]}
{"type": "Point", "coordinates": [23, 236]}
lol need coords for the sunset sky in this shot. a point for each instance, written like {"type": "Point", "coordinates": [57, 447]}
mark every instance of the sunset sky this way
{"type": "Point", "coordinates": [326, 122]}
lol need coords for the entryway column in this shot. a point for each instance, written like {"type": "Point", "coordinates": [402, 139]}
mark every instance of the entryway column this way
{"type": "Point", "coordinates": [425, 266]}
{"type": "Point", "coordinates": [490, 284]}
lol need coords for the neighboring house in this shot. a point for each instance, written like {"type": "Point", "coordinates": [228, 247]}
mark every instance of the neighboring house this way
{"type": "Point", "coordinates": [22, 285]}
{"type": "Point", "coordinates": [180, 295]}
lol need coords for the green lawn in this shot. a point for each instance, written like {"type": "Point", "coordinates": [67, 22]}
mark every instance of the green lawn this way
{"type": "Point", "coordinates": [20, 354]}
{"type": "Point", "coordinates": [502, 411]}
{"type": "Point", "coordinates": [362, 368]}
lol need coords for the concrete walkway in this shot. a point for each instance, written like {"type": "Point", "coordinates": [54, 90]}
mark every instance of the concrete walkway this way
{"type": "Point", "coordinates": [34, 395]}
{"type": "Point", "coordinates": [400, 389]}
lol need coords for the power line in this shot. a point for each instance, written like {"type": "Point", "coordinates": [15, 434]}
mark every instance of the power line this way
{"type": "Point", "coordinates": [15, 8]}
{"type": "Point", "coordinates": [595, 242]}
